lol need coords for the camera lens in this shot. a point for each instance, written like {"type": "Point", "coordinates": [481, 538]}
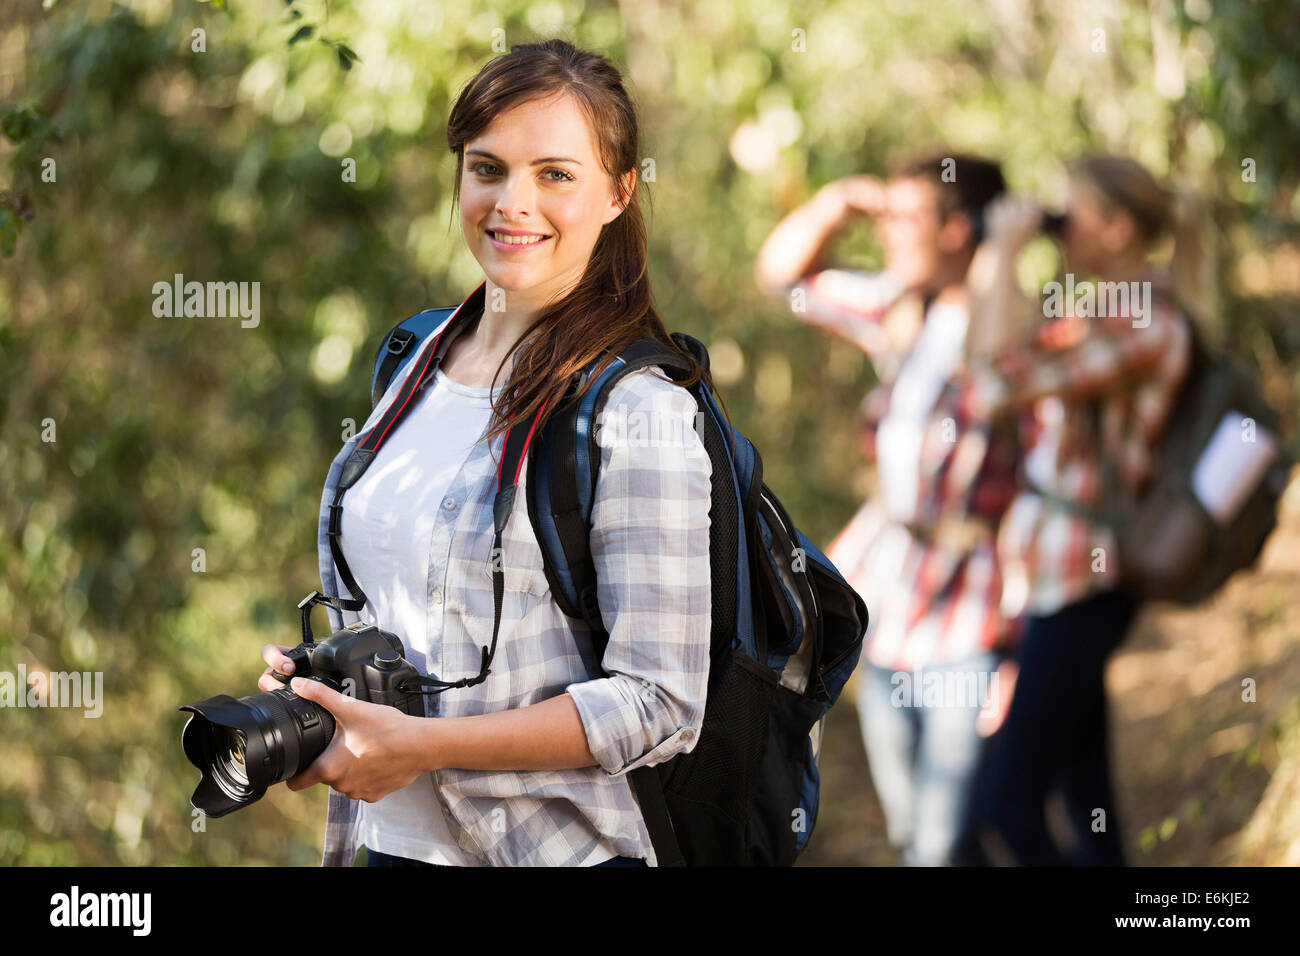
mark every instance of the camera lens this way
{"type": "Point", "coordinates": [233, 745]}
{"type": "Point", "coordinates": [229, 746]}
{"type": "Point", "coordinates": [244, 746]}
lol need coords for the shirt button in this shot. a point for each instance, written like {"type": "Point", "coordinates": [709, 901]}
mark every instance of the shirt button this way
{"type": "Point", "coordinates": [436, 595]}
{"type": "Point", "coordinates": [688, 736]}
{"type": "Point", "coordinates": [449, 503]}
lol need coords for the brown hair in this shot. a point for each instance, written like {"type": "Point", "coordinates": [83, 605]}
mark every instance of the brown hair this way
{"type": "Point", "coordinates": [612, 305]}
{"type": "Point", "coordinates": [975, 183]}
{"type": "Point", "coordinates": [1123, 183]}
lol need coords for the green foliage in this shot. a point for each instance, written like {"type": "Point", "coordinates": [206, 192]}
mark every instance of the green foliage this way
{"type": "Point", "coordinates": [174, 434]}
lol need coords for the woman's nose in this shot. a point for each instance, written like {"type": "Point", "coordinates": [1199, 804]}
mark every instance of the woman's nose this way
{"type": "Point", "coordinates": [515, 201]}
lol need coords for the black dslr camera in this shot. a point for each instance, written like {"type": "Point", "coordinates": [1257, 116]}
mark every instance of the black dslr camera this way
{"type": "Point", "coordinates": [1054, 224]}
{"type": "Point", "coordinates": [244, 746]}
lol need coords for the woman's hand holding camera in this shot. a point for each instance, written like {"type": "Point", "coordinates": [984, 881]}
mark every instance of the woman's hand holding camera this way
{"type": "Point", "coordinates": [274, 655]}
{"type": "Point", "coordinates": [1011, 221]}
{"type": "Point", "coordinates": [999, 312]}
{"type": "Point", "coordinates": [375, 750]}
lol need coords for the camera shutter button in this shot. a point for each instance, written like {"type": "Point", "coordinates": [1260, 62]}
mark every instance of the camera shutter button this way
{"type": "Point", "coordinates": [387, 660]}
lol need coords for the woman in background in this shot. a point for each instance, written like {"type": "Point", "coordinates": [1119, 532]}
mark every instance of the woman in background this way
{"type": "Point", "coordinates": [1092, 393]}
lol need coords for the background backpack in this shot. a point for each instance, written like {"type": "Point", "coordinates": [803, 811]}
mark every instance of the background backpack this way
{"type": "Point", "coordinates": [787, 629]}
{"type": "Point", "coordinates": [1170, 547]}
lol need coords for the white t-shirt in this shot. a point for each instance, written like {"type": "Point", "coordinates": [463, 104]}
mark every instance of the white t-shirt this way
{"type": "Point", "coordinates": [386, 533]}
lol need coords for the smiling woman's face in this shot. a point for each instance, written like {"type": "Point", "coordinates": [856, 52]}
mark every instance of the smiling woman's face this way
{"type": "Point", "coordinates": [534, 196]}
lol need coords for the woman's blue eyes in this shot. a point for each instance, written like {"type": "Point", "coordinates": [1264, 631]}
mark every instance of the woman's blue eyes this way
{"type": "Point", "coordinates": [565, 177]}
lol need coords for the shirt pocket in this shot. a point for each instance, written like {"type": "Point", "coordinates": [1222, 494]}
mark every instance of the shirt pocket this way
{"type": "Point", "coordinates": [525, 571]}
{"type": "Point", "coordinates": [525, 583]}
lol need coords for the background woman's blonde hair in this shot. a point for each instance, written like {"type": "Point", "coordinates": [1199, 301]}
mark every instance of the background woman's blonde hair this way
{"type": "Point", "coordinates": [1126, 184]}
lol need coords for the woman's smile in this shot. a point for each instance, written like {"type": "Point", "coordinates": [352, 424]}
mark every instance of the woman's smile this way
{"type": "Point", "coordinates": [513, 241]}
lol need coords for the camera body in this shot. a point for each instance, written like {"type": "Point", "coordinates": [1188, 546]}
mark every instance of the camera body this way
{"type": "Point", "coordinates": [1054, 224]}
{"type": "Point", "coordinates": [360, 661]}
{"type": "Point", "coordinates": [242, 747]}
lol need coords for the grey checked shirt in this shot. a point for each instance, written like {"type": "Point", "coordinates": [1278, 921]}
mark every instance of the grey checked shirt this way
{"type": "Point", "coordinates": [650, 545]}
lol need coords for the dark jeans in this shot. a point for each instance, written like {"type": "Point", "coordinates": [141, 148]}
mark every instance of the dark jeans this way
{"type": "Point", "coordinates": [1055, 738]}
{"type": "Point", "coordinates": [375, 858]}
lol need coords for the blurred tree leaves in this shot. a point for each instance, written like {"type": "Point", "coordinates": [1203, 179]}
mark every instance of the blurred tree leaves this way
{"type": "Point", "coordinates": [177, 434]}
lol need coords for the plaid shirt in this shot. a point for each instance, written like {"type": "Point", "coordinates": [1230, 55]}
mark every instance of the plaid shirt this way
{"type": "Point", "coordinates": [932, 583]}
{"type": "Point", "coordinates": [650, 545]}
{"type": "Point", "coordinates": [1132, 374]}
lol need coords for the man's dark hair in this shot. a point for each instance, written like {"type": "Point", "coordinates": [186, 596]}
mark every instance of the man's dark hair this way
{"type": "Point", "coordinates": [963, 183]}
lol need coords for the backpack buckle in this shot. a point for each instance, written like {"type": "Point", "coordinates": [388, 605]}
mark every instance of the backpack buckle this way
{"type": "Point", "coordinates": [576, 383]}
{"type": "Point", "coordinates": [400, 341]}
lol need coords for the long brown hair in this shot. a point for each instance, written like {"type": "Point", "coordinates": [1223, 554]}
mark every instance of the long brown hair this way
{"type": "Point", "coordinates": [612, 305]}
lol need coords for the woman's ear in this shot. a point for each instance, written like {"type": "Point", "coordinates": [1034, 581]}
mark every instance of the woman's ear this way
{"type": "Point", "coordinates": [627, 184]}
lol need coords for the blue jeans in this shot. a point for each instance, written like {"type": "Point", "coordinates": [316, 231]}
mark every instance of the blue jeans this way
{"type": "Point", "coordinates": [1055, 738]}
{"type": "Point", "coordinates": [925, 759]}
{"type": "Point", "coordinates": [375, 858]}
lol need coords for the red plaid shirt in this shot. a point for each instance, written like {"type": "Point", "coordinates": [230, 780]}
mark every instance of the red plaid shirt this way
{"type": "Point", "coordinates": [931, 583]}
{"type": "Point", "coordinates": [1052, 556]}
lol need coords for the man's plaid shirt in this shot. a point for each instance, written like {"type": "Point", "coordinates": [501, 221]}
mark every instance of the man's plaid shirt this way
{"type": "Point", "coordinates": [932, 583]}
{"type": "Point", "coordinates": [1132, 372]}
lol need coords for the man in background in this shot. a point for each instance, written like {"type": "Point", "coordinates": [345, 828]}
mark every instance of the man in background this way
{"type": "Point", "coordinates": [921, 552]}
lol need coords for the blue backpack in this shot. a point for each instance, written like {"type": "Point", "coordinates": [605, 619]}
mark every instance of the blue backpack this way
{"type": "Point", "coordinates": [787, 629]}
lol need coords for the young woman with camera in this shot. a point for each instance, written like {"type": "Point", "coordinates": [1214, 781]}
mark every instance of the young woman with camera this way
{"type": "Point", "coordinates": [1092, 392]}
{"type": "Point", "coordinates": [528, 766]}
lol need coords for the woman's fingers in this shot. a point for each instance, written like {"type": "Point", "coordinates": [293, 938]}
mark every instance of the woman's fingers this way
{"type": "Point", "coordinates": [274, 656]}
{"type": "Point", "coordinates": [1013, 220]}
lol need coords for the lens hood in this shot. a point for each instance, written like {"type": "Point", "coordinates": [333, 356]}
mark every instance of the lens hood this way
{"type": "Point", "coordinates": [197, 739]}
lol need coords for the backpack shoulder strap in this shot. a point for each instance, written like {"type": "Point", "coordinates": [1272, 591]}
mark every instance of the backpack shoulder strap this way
{"type": "Point", "coordinates": [562, 481]}
{"type": "Point", "coordinates": [562, 478]}
{"type": "Point", "coordinates": [1202, 354]}
{"type": "Point", "coordinates": [399, 345]}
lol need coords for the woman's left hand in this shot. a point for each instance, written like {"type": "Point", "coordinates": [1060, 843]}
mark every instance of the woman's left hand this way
{"type": "Point", "coordinates": [375, 749]}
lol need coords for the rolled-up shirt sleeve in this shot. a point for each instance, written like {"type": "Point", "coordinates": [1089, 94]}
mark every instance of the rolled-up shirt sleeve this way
{"type": "Point", "coordinates": [650, 548]}
{"type": "Point", "coordinates": [849, 303]}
